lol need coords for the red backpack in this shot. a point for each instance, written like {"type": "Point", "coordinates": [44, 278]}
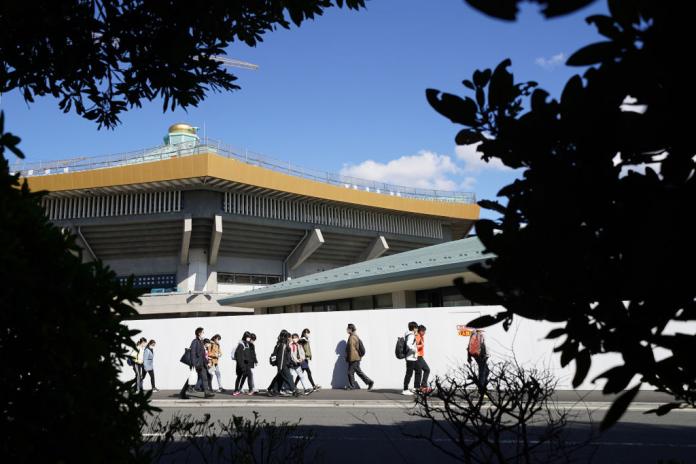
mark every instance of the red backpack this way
{"type": "Point", "coordinates": [475, 345]}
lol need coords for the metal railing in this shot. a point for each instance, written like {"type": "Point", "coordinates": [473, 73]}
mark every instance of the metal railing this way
{"type": "Point", "coordinates": [164, 152]}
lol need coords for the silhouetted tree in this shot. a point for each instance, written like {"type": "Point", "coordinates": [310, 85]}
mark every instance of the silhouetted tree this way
{"type": "Point", "coordinates": [101, 57]}
{"type": "Point", "coordinates": [63, 341]}
{"type": "Point", "coordinates": [597, 231]}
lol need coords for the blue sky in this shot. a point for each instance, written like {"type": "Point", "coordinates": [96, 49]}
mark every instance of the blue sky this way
{"type": "Point", "coordinates": [345, 93]}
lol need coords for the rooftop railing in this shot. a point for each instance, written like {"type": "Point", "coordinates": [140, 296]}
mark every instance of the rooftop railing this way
{"type": "Point", "coordinates": [164, 152]}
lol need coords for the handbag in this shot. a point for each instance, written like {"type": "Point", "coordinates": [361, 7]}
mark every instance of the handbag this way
{"type": "Point", "coordinates": [304, 365]}
{"type": "Point", "coordinates": [186, 357]}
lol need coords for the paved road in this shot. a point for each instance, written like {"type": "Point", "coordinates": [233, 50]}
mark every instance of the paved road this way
{"type": "Point", "coordinates": [371, 427]}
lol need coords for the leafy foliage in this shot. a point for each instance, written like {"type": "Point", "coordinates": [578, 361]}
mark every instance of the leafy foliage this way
{"type": "Point", "coordinates": [62, 343]}
{"type": "Point", "coordinates": [99, 58]}
{"type": "Point", "coordinates": [597, 231]}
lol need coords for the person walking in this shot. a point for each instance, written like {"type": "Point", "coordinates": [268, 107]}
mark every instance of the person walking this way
{"type": "Point", "coordinates": [148, 363]}
{"type": "Point", "coordinates": [215, 356]}
{"type": "Point", "coordinates": [137, 357]}
{"type": "Point", "coordinates": [477, 350]}
{"type": "Point", "coordinates": [304, 343]}
{"type": "Point", "coordinates": [297, 358]}
{"type": "Point", "coordinates": [420, 363]}
{"type": "Point", "coordinates": [242, 356]}
{"type": "Point", "coordinates": [254, 363]}
{"type": "Point", "coordinates": [199, 362]}
{"type": "Point", "coordinates": [411, 358]}
{"type": "Point", "coordinates": [355, 351]}
{"type": "Point", "coordinates": [282, 384]}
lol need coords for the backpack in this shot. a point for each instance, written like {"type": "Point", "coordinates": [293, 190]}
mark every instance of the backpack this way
{"type": "Point", "coordinates": [475, 345]}
{"type": "Point", "coordinates": [400, 348]}
{"type": "Point", "coordinates": [361, 348]}
{"type": "Point", "coordinates": [273, 359]}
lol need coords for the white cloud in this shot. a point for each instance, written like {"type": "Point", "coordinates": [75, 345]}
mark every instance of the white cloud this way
{"type": "Point", "coordinates": [550, 63]}
{"type": "Point", "coordinates": [425, 170]}
{"type": "Point", "coordinates": [473, 162]}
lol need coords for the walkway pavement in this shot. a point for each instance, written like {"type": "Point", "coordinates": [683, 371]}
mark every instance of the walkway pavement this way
{"type": "Point", "coordinates": [377, 398]}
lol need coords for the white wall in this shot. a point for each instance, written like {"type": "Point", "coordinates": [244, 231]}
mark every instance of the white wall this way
{"type": "Point", "coordinates": [378, 329]}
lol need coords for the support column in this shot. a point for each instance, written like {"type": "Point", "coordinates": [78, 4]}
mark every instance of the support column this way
{"type": "Point", "coordinates": [305, 249]}
{"type": "Point", "coordinates": [377, 248]}
{"type": "Point", "coordinates": [404, 299]}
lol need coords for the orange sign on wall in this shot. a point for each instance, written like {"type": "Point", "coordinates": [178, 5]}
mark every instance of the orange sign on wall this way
{"type": "Point", "coordinates": [464, 331]}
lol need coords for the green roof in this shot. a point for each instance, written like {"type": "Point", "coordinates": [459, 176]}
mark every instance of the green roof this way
{"type": "Point", "coordinates": [442, 259]}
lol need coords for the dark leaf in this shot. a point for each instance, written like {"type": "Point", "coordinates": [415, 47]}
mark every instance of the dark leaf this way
{"type": "Point", "coordinates": [582, 366]}
{"type": "Point", "coordinates": [501, 9]}
{"type": "Point", "coordinates": [492, 205]}
{"type": "Point", "coordinates": [467, 137]}
{"type": "Point", "coordinates": [556, 8]}
{"type": "Point", "coordinates": [592, 54]}
{"type": "Point", "coordinates": [555, 333]}
{"type": "Point", "coordinates": [665, 408]}
{"type": "Point", "coordinates": [605, 25]}
{"type": "Point", "coordinates": [458, 110]}
{"type": "Point", "coordinates": [618, 408]}
{"type": "Point", "coordinates": [617, 377]}
{"type": "Point", "coordinates": [467, 83]}
{"type": "Point", "coordinates": [487, 321]}
{"type": "Point", "coordinates": [501, 89]}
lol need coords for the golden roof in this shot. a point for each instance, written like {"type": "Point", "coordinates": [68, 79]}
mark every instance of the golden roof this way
{"type": "Point", "coordinates": [182, 127]}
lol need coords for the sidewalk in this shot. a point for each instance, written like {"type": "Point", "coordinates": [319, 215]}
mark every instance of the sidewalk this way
{"type": "Point", "coordinates": [376, 398]}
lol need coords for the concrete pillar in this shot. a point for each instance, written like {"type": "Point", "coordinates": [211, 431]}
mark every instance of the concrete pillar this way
{"type": "Point", "coordinates": [404, 299]}
{"type": "Point", "coordinates": [215, 239]}
{"type": "Point", "coordinates": [305, 249]}
{"type": "Point", "coordinates": [198, 270]}
{"type": "Point", "coordinates": [377, 248]}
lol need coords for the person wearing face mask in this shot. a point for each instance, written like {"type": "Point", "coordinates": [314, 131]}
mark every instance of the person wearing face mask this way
{"type": "Point", "coordinates": [199, 362]}
{"type": "Point", "coordinates": [254, 363]}
{"type": "Point", "coordinates": [304, 343]}
{"type": "Point", "coordinates": [148, 363]}
{"type": "Point", "coordinates": [242, 355]}
{"type": "Point", "coordinates": [297, 356]}
{"type": "Point", "coordinates": [215, 355]}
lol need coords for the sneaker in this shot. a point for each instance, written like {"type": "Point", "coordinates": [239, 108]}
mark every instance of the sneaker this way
{"type": "Point", "coordinates": [296, 393]}
{"type": "Point", "coordinates": [283, 393]}
{"type": "Point", "coordinates": [426, 390]}
{"type": "Point", "coordinates": [183, 396]}
{"type": "Point", "coordinates": [372, 384]}
{"type": "Point", "coordinates": [154, 390]}
{"type": "Point", "coordinates": [209, 394]}
{"type": "Point", "coordinates": [237, 393]}
{"type": "Point", "coordinates": [308, 391]}
{"type": "Point", "coordinates": [317, 387]}
{"type": "Point", "coordinates": [271, 393]}
{"type": "Point", "coordinates": [251, 393]}
{"type": "Point", "coordinates": [407, 393]}
{"type": "Point", "coordinates": [221, 390]}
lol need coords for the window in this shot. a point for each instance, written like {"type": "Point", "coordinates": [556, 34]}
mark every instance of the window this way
{"type": "Point", "coordinates": [157, 283]}
{"type": "Point", "coordinates": [383, 301]}
{"type": "Point", "coordinates": [247, 279]}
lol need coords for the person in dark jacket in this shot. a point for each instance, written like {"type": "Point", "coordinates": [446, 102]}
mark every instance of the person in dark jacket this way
{"type": "Point", "coordinates": [199, 362]}
{"type": "Point", "coordinates": [254, 363]}
{"type": "Point", "coordinates": [242, 356]}
{"type": "Point", "coordinates": [282, 383]}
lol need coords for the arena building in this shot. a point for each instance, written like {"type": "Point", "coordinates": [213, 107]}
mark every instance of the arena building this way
{"type": "Point", "coordinates": [195, 221]}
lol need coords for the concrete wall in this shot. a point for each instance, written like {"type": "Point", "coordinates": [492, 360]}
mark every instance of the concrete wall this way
{"type": "Point", "coordinates": [445, 349]}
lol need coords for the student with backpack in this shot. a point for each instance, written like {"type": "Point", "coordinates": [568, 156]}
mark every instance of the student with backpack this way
{"type": "Point", "coordinates": [149, 363]}
{"type": "Point", "coordinates": [411, 358]}
{"type": "Point", "coordinates": [297, 357]}
{"type": "Point", "coordinates": [242, 356]}
{"type": "Point", "coordinates": [355, 350]}
{"type": "Point", "coordinates": [280, 358]}
{"type": "Point", "coordinates": [477, 350]}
